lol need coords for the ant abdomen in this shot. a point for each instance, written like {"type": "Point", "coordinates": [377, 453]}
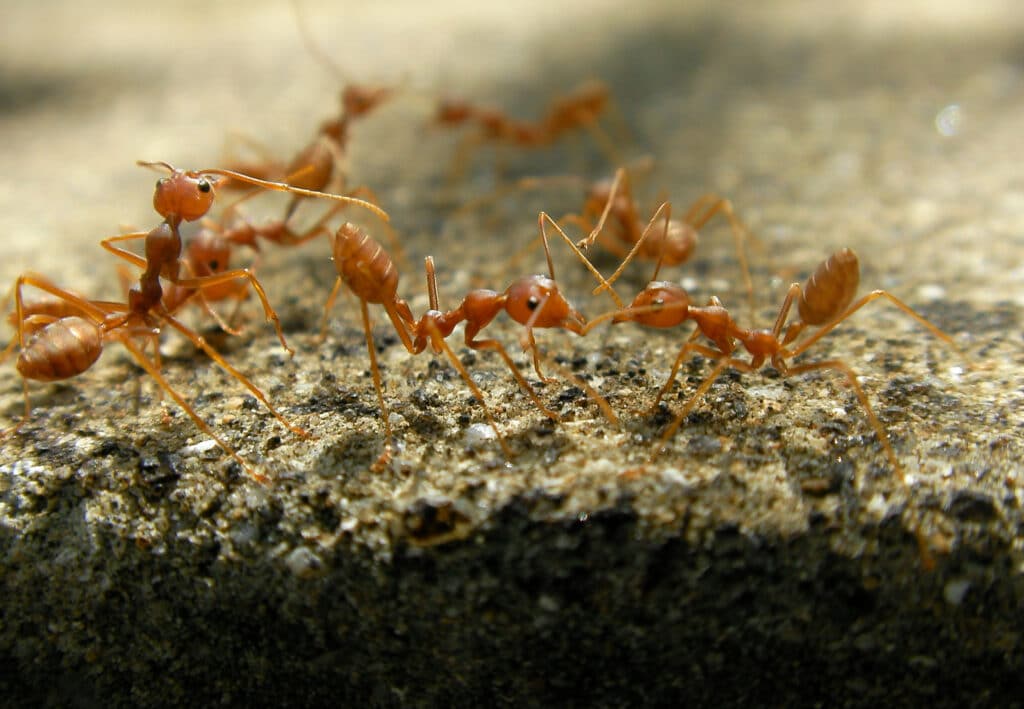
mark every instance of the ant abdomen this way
{"type": "Point", "coordinates": [364, 265]}
{"type": "Point", "coordinates": [830, 288]}
{"type": "Point", "coordinates": [61, 350]}
{"type": "Point", "coordinates": [313, 167]}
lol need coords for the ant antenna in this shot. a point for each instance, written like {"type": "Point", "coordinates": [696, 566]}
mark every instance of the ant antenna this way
{"type": "Point", "coordinates": [314, 48]}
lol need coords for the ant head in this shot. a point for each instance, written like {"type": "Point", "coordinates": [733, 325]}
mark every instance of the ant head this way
{"type": "Point", "coordinates": [185, 195]}
{"type": "Point", "coordinates": [208, 253]}
{"type": "Point", "coordinates": [536, 300]}
{"type": "Point", "coordinates": [660, 304]}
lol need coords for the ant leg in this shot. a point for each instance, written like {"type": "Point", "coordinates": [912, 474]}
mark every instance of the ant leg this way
{"type": "Point", "coordinates": [689, 346]}
{"type": "Point", "coordinates": [723, 364]}
{"type": "Point", "coordinates": [740, 233]}
{"type": "Point", "coordinates": [583, 384]}
{"type": "Point", "coordinates": [377, 383]}
{"type": "Point", "coordinates": [780, 320]}
{"type": "Point", "coordinates": [851, 377]}
{"type": "Point", "coordinates": [327, 307]}
{"type": "Point", "coordinates": [234, 139]}
{"type": "Point", "coordinates": [619, 121]}
{"type": "Point", "coordinates": [217, 278]}
{"type": "Point", "coordinates": [531, 344]}
{"type": "Point", "coordinates": [200, 342]}
{"type": "Point", "coordinates": [468, 144]}
{"type": "Point", "coordinates": [221, 323]}
{"type": "Point", "coordinates": [527, 341]}
{"type": "Point", "coordinates": [439, 343]}
{"type": "Point", "coordinates": [154, 372]}
{"type": "Point", "coordinates": [133, 258]}
{"type": "Point", "coordinates": [665, 207]}
{"type": "Point", "coordinates": [497, 347]}
{"type": "Point", "coordinates": [604, 142]}
{"type": "Point", "coordinates": [88, 308]}
{"type": "Point", "coordinates": [873, 295]}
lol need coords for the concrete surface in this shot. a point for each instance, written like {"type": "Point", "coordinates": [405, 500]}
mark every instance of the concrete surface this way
{"type": "Point", "coordinates": [770, 556]}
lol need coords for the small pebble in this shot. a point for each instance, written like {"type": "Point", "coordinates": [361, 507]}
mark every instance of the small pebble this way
{"type": "Point", "coordinates": [479, 433]}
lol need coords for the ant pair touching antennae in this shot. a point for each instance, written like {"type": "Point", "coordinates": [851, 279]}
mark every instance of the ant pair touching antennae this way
{"type": "Point", "coordinates": [532, 301]}
{"type": "Point", "coordinates": [824, 301]}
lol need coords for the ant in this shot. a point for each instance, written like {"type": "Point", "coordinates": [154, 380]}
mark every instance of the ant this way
{"type": "Point", "coordinates": [316, 165]}
{"type": "Point", "coordinates": [533, 301]}
{"type": "Point", "coordinates": [580, 108]}
{"type": "Point", "coordinates": [825, 300]}
{"type": "Point", "coordinates": [66, 336]}
{"type": "Point", "coordinates": [187, 195]}
{"type": "Point", "coordinates": [670, 244]}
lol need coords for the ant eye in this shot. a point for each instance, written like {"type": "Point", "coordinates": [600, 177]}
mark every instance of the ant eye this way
{"type": "Point", "coordinates": [213, 265]}
{"type": "Point", "coordinates": [204, 186]}
{"type": "Point", "coordinates": [532, 303]}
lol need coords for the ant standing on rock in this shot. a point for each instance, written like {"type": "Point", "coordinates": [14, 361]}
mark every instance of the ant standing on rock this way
{"type": "Point", "coordinates": [825, 300]}
{"type": "Point", "coordinates": [533, 301]}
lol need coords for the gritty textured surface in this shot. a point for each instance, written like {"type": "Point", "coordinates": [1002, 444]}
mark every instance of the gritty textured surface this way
{"type": "Point", "coordinates": [769, 552]}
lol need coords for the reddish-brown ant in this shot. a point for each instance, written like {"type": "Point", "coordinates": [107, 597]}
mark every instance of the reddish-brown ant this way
{"type": "Point", "coordinates": [317, 166]}
{"type": "Point", "coordinates": [187, 195]}
{"type": "Point", "coordinates": [58, 343]}
{"type": "Point", "coordinates": [824, 300]}
{"type": "Point", "coordinates": [670, 242]}
{"type": "Point", "coordinates": [579, 109]}
{"type": "Point", "coordinates": [534, 301]}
